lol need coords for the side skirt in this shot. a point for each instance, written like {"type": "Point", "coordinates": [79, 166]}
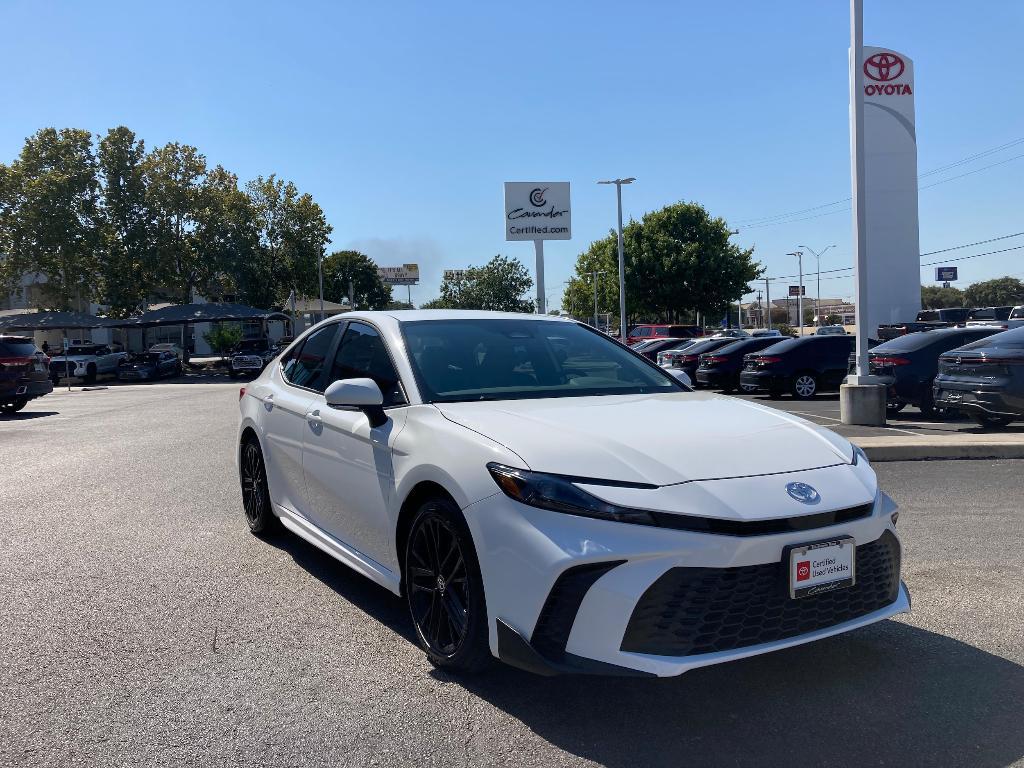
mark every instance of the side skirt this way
{"type": "Point", "coordinates": [353, 558]}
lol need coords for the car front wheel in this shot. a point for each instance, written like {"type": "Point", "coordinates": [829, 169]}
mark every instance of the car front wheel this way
{"type": "Point", "coordinates": [444, 589]}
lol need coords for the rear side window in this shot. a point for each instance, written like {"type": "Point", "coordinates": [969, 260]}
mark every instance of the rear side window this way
{"type": "Point", "coordinates": [1007, 339]}
{"type": "Point", "coordinates": [304, 367]}
{"type": "Point", "coordinates": [17, 348]}
{"type": "Point", "coordinates": [362, 354]}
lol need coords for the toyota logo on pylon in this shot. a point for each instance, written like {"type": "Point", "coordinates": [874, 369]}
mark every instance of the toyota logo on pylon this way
{"type": "Point", "coordinates": [883, 67]}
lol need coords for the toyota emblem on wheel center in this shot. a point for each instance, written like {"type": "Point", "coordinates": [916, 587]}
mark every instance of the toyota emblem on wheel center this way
{"type": "Point", "coordinates": [803, 493]}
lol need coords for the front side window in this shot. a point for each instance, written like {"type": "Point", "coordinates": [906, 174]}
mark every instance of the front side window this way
{"type": "Point", "coordinates": [465, 360]}
{"type": "Point", "coordinates": [304, 367]}
{"type": "Point", "coordinates": [362, 354]}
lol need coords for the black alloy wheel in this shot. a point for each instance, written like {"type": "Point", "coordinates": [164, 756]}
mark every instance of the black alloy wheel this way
{"type": "Point", "coordinates": [255, 493]}
{"type": "Point", "coordinates": [444, 589]}
{"type": "Point", "coordinates": [14, 407]}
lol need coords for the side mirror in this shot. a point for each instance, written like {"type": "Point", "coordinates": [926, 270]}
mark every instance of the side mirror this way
{"type": "Point", "coordinates": [363, 394]}
{"type": "Point", "coordinates": [680, 374]}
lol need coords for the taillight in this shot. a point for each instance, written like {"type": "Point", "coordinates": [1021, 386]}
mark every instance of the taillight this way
{"type": "Point", "coordinates": [714, 359]}
{"type": "Point", "coordinates": [689, 358]}
{"type": "Point", "coordinates": [768, 360]}
{"type": "Point", "coordinates": [883, 360]}
{"type": "Point", "coordinates": [241, 392]}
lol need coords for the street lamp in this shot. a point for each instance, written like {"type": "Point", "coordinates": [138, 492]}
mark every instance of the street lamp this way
{"type": "Point", "coordinates": [800, 295]}
{"type": "Point", "coordinates": [623, 325]}
{"type": "Point", "coordinates": [817, 297]}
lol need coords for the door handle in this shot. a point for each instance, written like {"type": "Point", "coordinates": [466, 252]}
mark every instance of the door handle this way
{"type": "Point", "coordinates": [268, 402]}
{"type": "Point", "coordinates": [313, 417]}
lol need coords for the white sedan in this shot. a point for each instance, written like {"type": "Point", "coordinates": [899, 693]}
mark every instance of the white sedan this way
{"type": "Point", "coordinates": [541, 494]}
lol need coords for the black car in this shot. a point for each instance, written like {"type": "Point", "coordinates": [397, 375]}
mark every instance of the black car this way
{"type": "Point", "coordinates": [803, 366]}
{"type": "Point", "coordinates": [990, 314]}
{"type": "Point", "coordinates": [651, 349]}
{"type": "Point", "coordinates": [907, 365]}
{"type": "Point", "coordinates": [984, 379]}
{"type": "Point", "coordinates": [24, 373]}
{"type": "Point", "coordinates": [691, 355]}
{"type": "Point", "coordinates": [149, 366]}
{"type": "Point", "coordinates": [721, 368]}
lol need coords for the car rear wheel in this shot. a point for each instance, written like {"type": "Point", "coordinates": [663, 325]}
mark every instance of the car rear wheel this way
{"type": "Point", "coordinates": [444, 589]}
{"type": "Point", "coordinates": [14, 407]}
{"type": "Point", "coordinates": [805, 385]}
{"type": "Point", "coordinates": [987, 421]}
{"type": "Point", "coordinates": [893, 408]}
{"type": "Point", "coordinates": [90, 374]}
{"type": "Point", "coordinates": [255, 493]}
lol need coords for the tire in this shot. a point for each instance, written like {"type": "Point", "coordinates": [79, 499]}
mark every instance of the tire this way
{"type": "Point", "coordinates": [805, 386]}
{"type": "Point", "coordinates": [445, 592]}
{"type": "Point", "coordinates": [985, 421]}
{"type": "Point", "coordinates": [14, 407]}
{"type": "Point", "coordinates": [891, 409]}
{"type": "Point", "coordinates": [90, 374]}
{"type": "Point", "coordinates": [255, 492]}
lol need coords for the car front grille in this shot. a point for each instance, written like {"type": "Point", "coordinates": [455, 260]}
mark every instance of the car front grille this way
{"type": "Point", "coordinates": [691, 611]}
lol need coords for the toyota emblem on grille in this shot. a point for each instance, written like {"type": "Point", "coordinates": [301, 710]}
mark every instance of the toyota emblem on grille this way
{"type": "Point", "coordinates": [803, 493]}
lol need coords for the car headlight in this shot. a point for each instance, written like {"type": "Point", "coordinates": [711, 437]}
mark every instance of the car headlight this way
{"type": "Point", "coordinates": [859, 455]}
{"type": "Point", "coordinates": [558, 494]}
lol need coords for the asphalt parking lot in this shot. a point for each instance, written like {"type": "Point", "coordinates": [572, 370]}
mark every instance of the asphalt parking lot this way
{"type": "Point", "coordinates": [143, 625]}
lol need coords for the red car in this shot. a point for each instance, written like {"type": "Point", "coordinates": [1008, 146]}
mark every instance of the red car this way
{"type": "Point", "coordinates": [648, 331]}
{"type": "Point", "coordinates": [23, 373]}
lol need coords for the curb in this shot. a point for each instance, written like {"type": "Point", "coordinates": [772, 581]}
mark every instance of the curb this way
{"type": "Point", "coordinates": [889, 449]}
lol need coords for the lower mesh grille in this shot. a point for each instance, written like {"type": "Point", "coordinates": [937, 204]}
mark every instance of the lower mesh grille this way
{"type": "Point", "coordinates": [703, 610]}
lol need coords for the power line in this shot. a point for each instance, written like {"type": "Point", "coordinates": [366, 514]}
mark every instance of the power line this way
{"type": "Point", "coordinates": [928, 253]}
{"type": "Point", "coordinates": [786, 218]}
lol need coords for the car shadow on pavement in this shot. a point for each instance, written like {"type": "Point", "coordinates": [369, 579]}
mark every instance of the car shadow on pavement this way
{"type": "Point", "coordinates": [26, 415]}
{"type": "Point", "coordinates": [369, 597]}
{"type": "Point", "coordinates": [890, 694]}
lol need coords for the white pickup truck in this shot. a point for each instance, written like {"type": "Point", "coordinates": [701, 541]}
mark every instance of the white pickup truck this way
{"type": "Point", "coordinates": [85, 361]}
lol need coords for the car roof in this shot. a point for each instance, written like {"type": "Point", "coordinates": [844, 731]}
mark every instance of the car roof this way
{"type": "Point", "coordinates": [416, 315]}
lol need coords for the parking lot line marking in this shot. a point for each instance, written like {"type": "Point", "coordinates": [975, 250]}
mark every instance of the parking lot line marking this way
{"type": "Point", "coordinates": [814, 415]}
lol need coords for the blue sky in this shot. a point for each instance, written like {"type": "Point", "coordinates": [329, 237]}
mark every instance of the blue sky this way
{"type": "Point", "coordinates": [403, 119]}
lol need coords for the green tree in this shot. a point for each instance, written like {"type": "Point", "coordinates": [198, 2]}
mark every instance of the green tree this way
{"type": "Point", "coordinates": [937, 297]}
{"type": "Point", "coordinates": [1000, 292]}
{"type": "Point", "coordinates": [500, 285]}
{"type": "Point", "coordinates": [226, 237]}
{"type": "Point", "coordinates": [223, 337]}
{"type": "Point", "coordinates": [292, 233]}
{"type": "Point", "coordinates": [49, 206]}
{"type": "Point", "coordinates": [174, 177]}
{"type": "Point", "coordinates": [370, 292]}
{"type": "Point", "coordinates": [677, 259]}
{"type": "Point", "coordinates": [128, 269]}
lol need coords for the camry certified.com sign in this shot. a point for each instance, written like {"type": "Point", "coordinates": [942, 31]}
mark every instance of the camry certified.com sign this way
{"type": "Point", "coordinates": [537, 210]}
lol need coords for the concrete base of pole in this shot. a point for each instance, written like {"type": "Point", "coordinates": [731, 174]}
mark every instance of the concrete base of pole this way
{"type": "Point", "coordinates": [862, 404]}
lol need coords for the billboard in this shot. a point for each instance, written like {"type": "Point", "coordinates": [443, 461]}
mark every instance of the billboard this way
{"type": "Point", "coordinates": [407, 274]}
{"type": "Point", "coordinates": [798, 290]}
{"type": "Point", "coordinates": [454, 275]}
{"type": "Point", "coordinates": [537, 210]}
{"type": "Point", "coordinates": [945, 274]}
{"type": "Point", "coordinates": [893, 291]}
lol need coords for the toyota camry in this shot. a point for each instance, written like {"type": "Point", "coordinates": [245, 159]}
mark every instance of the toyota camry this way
{"type": "Point", "coordinates": [539, 493]}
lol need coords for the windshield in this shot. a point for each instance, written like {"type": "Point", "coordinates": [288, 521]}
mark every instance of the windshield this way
{"type": "Point", "coordinates": [462, 360]}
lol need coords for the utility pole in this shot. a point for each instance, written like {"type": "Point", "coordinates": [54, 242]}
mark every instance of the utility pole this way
{"type": "Point", "coordinates": [623, 323]}
{"type": "Point", "coordinates": [759, 309]}
{"type": "Point", "coordinates": [817, 296]}
{"type": "Point", "coordinates": [593, 276]}
{"type": "Point", "coordinates": [768, 301]}
{"type": "Point", "coordinates": [800, 296]}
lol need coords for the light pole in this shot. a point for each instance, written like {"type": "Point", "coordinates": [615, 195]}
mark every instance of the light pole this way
{"type": "Point", "coordinates": [800, 296]}
{"type": "Point", "coordinates": [817, 296]}
{"type": "Point", "coordinates": [623, 324]}
{"type": "Point", "coordinates": [594, 273]}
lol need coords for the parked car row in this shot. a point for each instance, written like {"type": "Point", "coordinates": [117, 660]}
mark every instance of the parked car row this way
{"type": "Point", "coordinates": [929, 319]}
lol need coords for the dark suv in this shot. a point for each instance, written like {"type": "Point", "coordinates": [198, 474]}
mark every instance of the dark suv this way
{"type": "Point", "coordinates": [907, 365]}
{"type": "Point", "coordinates": [721, 368]}
{"type": "Point", "coordinates": [803, 367]}
{"type": "Point", "coordinates": [24, 373]}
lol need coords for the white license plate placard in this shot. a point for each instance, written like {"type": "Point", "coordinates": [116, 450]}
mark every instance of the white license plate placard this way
{"type": "Point", "coordinates": [823, 566]}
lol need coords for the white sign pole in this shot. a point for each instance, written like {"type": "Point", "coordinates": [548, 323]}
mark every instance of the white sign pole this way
{"type": "Point", "coordinates": [539, 247]}
{"type": "Point", "coordinates": [860, 244]}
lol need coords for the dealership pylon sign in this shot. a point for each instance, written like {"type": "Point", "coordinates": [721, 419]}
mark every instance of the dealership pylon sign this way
{"type": "Point", "coordinates": [538, 211]}
{"type": "Point", "coordinates": [893, 287]}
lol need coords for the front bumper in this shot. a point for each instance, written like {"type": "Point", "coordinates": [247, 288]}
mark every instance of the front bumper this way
{"type": "Point", "coordinates": [566, 593]}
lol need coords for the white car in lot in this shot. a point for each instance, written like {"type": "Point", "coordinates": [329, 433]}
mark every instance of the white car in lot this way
{"type": "Point", "coordinates": [539, 493]}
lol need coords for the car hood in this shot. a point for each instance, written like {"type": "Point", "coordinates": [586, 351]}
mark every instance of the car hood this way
{"type": "Point", "coordinates": [660, 439]}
